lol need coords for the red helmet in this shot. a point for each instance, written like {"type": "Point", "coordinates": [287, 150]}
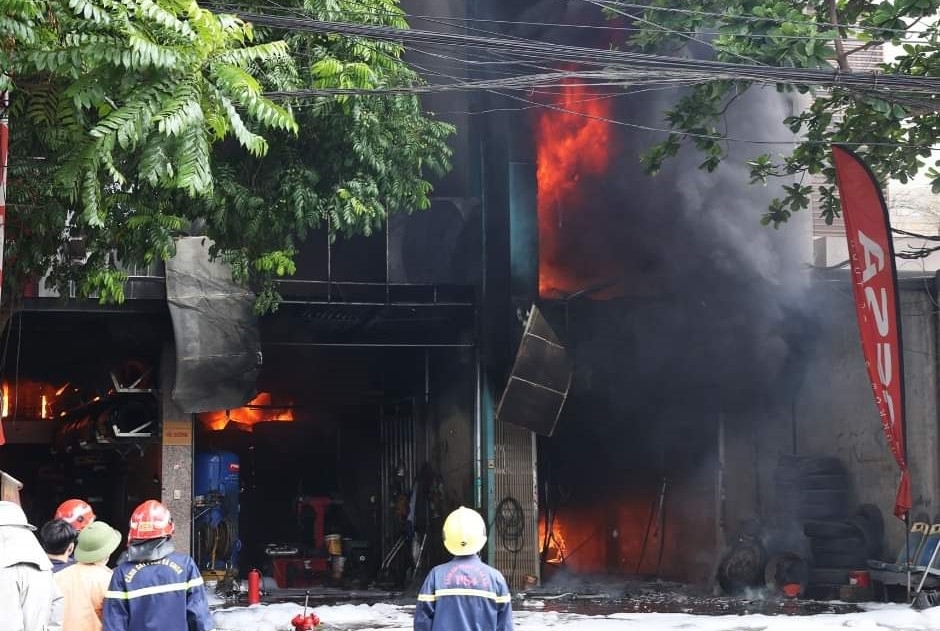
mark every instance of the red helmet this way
{"type": "Point", "coordinates": [78, 513]}
{"type": "Point", "coordinates": [150, 520]}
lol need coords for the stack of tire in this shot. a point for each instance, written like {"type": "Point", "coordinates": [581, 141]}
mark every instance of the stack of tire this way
{"type": "Point", "coordinates": [813, 491]}
{"type": "Point", "coordinates": [812, 488]}
{"type": "Point", "coordinates": [847, 544]}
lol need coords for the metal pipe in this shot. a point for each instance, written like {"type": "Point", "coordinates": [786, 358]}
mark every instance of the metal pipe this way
{"type": "Point", "coordinates": [345, 303]}
{"type": "Point", "coordinates": [477, 443]}
{"type": "Point", "coordinates": [427, 376]}
{"type": "Point", "coordinates": [329, 261]}
{"type": "Point", "coordinates": [720, 486]}
{"type": "Point", "coordinates": [366, 345]}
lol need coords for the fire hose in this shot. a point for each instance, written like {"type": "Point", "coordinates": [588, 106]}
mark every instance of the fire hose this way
{"type": "Point", "coordinates": [216, 542]}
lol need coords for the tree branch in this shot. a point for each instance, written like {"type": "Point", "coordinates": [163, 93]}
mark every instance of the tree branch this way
{"type": "Point", "coordinates": [862, 47]}
{"type": "Point", "coordinates": [839, 44]}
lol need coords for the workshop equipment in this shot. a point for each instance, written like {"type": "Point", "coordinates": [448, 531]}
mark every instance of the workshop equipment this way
{"type": "Point", "coordinates": [216, 491]}
{"type": "Point", "coordinates": [308, 565]}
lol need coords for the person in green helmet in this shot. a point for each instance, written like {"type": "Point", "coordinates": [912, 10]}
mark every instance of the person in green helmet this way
{"type": "Point", "coordinates": [84, 583]}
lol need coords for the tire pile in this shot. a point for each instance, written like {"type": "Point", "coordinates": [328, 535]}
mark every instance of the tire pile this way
{"type": "Point", "coordinates": [815, 492]}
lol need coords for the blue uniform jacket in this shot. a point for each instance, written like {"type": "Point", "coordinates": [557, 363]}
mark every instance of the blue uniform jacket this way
{"type": "Point", "coordinates": [165, 594]}
{"type": "Point", "coordinates": [465, 594]}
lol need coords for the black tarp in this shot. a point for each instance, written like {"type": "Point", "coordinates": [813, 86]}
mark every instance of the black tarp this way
{"type": "Point", "coordinates": [218, 346]}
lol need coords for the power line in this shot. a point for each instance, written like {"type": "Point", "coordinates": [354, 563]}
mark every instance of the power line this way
{"type": "Point", "coordinates": [618, 66]}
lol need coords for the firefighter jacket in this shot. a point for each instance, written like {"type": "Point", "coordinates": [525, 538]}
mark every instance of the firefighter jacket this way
{"type": "Point", "coordinates": [29, 598]}
{"type": "Point", "coordinates": [162, 593]}
{"type": "Point", "coordinates": [465, 594]}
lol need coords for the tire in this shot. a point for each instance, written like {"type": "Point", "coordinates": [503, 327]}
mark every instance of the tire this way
{"type": "Point", "coordinates": [810, 465]}
{"type": "Point", "coordinates": [826, 497]}
{"type": "Point", "coordinates": [872, 516]}
{"type": "Point", "coordinates": [786, 568]}
{"type": "Point", "coordinates": [742, 567]}
{"type": "Point", "coordinates": [821, 512]}
{"type": "Point", "coordinates": [826, 576]}
{"type": "Point", "coordinates": [854, 545]}
{"type": "Point", "coordinates": [847, 560]}
{"type": "Point", "coordinates": [825, 482]}
{"type": "Point", "coordinates": [830, 529]}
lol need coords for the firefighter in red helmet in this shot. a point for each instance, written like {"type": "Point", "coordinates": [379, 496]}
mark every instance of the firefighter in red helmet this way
{"type": "Point", "coordinates": [155, 588]}
{"type": "Point", "coordinates": [78, 513]}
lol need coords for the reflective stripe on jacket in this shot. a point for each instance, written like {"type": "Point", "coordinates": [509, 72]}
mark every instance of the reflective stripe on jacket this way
{"type": "Point", "coordinates": [162, 595]}
{"type": "Point", "coordinates": [465, 594]}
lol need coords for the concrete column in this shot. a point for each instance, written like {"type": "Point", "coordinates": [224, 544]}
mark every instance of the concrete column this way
{"type": "Point", "coordinates": [176, 454]}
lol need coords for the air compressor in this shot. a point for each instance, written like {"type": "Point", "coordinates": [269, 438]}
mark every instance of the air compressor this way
{"type": "Point", "coordinates": [216, 490]}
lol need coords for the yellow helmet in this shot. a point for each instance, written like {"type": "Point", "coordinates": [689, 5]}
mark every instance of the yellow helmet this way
{"type": "Point", "coordinates": [464, 532]}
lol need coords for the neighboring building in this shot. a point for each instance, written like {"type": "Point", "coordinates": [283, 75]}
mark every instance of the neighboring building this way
{"type": "Point", "coordinates": [913, 206]}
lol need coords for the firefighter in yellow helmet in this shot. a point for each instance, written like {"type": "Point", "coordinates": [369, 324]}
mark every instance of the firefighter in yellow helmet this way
{"type": "Point", "coordinates": [464, 594]}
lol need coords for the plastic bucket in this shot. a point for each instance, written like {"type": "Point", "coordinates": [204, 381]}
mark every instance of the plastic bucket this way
{"type": "Point", "coordinates": [860, 578]}
{"type": "Point", "coordinates": [334, 544]}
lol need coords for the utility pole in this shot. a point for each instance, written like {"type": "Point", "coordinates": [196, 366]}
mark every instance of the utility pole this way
{"type": "Point", "coordinates": [4, 163]}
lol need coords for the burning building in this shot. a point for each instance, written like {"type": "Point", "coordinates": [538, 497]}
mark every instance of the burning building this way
{"type": "Point", "coordinates": [680, 350]}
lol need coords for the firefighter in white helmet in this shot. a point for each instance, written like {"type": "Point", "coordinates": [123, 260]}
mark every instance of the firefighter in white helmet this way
{"type": "Point", "coordinates": [464, 594]}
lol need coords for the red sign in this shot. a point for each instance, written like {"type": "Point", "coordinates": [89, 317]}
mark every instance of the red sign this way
{"type": "Point", "coordinates": [871, 253]}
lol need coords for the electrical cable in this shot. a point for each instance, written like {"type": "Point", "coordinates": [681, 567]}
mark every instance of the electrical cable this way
{"type": "Point", "coordinates": [608, 4]}
{"type": "Point", "coordinates": [621, 66]}
{"type": "Point", "coordinates": [510, 524]}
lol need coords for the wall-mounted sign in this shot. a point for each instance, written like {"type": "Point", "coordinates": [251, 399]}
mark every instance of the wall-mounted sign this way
{"type": "Point", "coordinates": [178, 433]}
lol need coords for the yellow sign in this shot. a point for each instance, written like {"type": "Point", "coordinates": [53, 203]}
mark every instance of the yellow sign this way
{"type": "Point", "coordinates": [178, 433]}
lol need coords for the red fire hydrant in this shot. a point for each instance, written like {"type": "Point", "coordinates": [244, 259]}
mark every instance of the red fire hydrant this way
{"type": "Point", "coordinates": [254, 587]}
{"type": "Point", "coordinates": [305, 623]}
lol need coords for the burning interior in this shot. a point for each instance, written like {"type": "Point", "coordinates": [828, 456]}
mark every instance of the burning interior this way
{"type": "Point", "coordinates": [681, 314]}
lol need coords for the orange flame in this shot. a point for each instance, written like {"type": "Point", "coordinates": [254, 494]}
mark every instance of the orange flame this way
{"type": "Point", "coordinates": [257, 410]}
{"type": "Point", "coordinates": [574, 144]}
{"type": "Point", "coordinates": [604, 537]}
{"type": "Point", "coordinates": [28, 399]}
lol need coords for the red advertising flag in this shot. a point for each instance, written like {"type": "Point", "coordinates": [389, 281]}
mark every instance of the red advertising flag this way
{"type": "Point", "coordinates": [874, 282]}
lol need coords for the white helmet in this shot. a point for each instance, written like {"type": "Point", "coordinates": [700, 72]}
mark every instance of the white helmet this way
{"type": "Point", "coordinates": [464, 532]}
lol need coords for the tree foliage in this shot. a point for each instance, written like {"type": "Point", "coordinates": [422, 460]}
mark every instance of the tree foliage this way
{"type": "Point", "coordinates": [895, 137]}
{"type": "Point", "coordinates": [130, 120]}
{"type": "Point", "coordinates": [356, 158]}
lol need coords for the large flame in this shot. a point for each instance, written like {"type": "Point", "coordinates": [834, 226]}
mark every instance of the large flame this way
{"type": "Point", "coordinates": [574, 149]}
{"type": "Point", "coordinates": [605, 537]}
{"type": "Point", "coordinates": [258, 410]}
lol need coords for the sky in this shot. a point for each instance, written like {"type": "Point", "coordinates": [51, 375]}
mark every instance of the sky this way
{"type": "Point", "coordinates": [531, 616]}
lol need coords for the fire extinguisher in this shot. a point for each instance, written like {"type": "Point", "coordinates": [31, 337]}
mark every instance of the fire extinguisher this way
{"type": "Point", "coordinates": [254, 587]}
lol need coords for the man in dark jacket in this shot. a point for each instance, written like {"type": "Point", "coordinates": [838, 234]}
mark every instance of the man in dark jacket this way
{"type": "Point", "coordinates": [464, 594]}
{"type": "Point", "coordinates": [155, 588]}
{"type": "Point", "coordinates": [58, 540]}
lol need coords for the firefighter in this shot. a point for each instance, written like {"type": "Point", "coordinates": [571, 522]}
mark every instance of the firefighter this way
{"type": "Point", "coordinates": [464, 594]}
{"type": "Point", "coordinates": [78, 513]}
{"type": "Point", "coordinates": [155, 588]}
